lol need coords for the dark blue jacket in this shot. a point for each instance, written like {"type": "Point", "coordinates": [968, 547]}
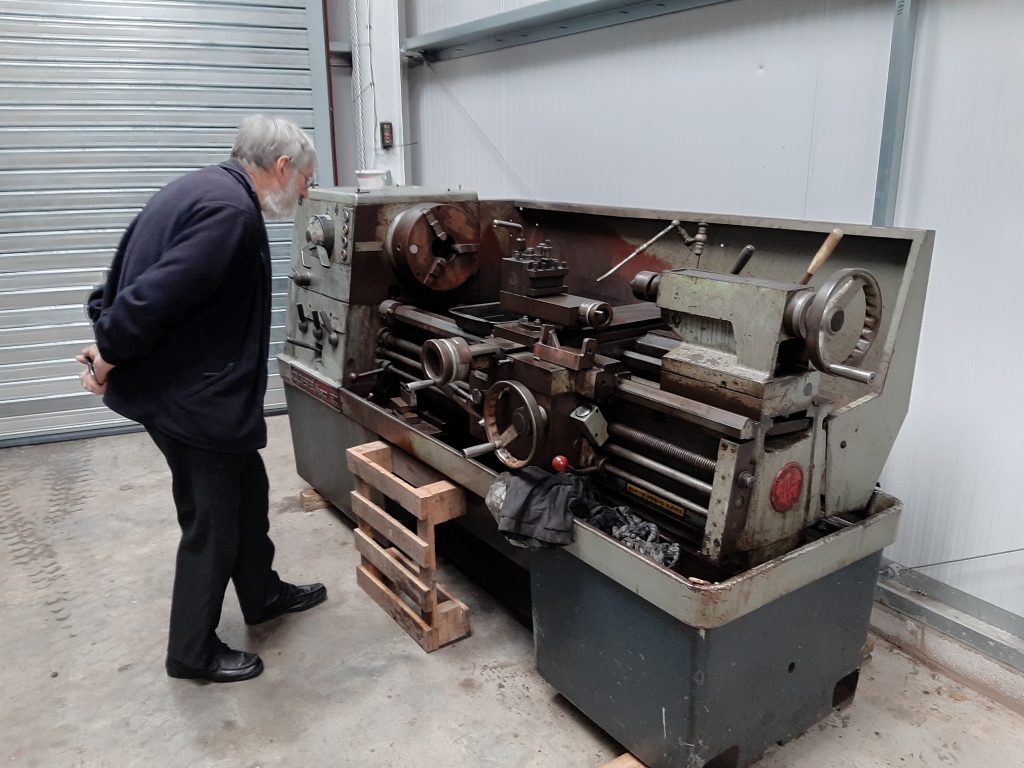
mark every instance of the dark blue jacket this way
{"type": "Point", "coordinates": [185, 313]}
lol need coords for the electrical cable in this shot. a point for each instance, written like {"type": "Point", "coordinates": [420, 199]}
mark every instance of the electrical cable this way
{"type": "Point", "coordinates": [373, 84]}
{"type": "Point", "coordinates": [959, 560]}
{"type": "Point", "coordinates": [357, 100]}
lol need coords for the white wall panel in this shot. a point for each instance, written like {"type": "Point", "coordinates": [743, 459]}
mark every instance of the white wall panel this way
{"type": "Point", "coordinates": [747, 107]}
{"type": "Point", "coordinates": [958, 461]}
{"type": "Point", "coordinates": [429, 15]}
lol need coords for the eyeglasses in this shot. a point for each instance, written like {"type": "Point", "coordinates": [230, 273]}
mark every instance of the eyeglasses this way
{"type": "Point", "coordinates": [309, 179]}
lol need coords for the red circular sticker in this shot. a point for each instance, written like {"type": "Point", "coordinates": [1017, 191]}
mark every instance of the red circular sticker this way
{"type": "Point", "coordinates": [786, 487]}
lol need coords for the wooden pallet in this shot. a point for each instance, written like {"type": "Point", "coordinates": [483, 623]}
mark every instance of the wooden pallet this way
{"type": "Point", "coordinates": [624, 761]}
{"type": "Point", "coordinates": [398, 567]}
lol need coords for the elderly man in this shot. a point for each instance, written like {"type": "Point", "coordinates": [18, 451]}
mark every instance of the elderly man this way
{"type": "Point", "coordinates": [182, 328]}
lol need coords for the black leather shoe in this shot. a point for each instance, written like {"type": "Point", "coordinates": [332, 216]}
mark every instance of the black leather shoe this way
{"type": "Point", "coordinates": [228, 666]}
{"type": "Point", "coordinates": [291, 599]}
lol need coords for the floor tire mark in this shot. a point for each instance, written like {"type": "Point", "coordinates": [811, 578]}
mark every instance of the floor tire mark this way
{"type": "Point", "coordinates": [32, 553]}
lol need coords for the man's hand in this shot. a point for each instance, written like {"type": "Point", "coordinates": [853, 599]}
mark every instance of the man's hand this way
{"type": "Point", "coordinates": [94, 377]}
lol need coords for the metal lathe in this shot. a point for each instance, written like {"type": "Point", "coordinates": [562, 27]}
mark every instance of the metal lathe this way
{"type": "Point", "coordinates": [737, 381]}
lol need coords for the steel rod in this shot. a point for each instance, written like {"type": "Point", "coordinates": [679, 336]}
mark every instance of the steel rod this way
{"type": "Point", "coordinates": [646, 440]}
{"type": "Point", "coordinates": [400, 359]}
{"type": "Point", "coordinates": [655, 466]}
{"type": "Point", "coordinates": [390, 341]}
{"type": "Point", "coordinates": [400, 373]}
{"type": "Point", "coordinates": [672, 225]}
{"type": "Point", "coordinates": [657, 490]}
{"type": "Point", "coordinates": [438, 325]}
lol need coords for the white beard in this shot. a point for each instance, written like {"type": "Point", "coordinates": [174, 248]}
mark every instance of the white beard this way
{"type": "Point", "coordinates": [278, 204]}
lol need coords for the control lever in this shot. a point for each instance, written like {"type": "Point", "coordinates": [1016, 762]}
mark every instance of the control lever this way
{"type": "Point", "coordinates": [520, 233]}
{"type": "Point", "coordinates": [303, 278]}
{"type": "Point", "coordinates": [672, 225]}
{"type": "Point", "coordinates": [742, 259]}
{"type": "Point", "coordinates": [319, 251]}
{"type": "Point", "coordinates": [302, 344]}
{"type": "Point", "coordinates": [697, 242]}
{"type": "Point", "coordinates": [822, 255]}
{"type": "Point", "coordinates": [502, 224]}
{"type": "Point", "coordinates": [416, 386]}
{"type": "Point", "coordinates": [354, 377]}
{"type": "Point", "coordinates": [479, 450]}
{"type": "Point", "coordinates": [497, 444]}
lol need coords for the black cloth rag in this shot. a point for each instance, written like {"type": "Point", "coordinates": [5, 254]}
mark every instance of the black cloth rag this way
{"type": "Point", "coordinates": [539, 505]}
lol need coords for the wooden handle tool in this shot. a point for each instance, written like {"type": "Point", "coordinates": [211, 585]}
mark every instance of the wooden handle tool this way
{"type": "Point", "coordinates": [822, 255]}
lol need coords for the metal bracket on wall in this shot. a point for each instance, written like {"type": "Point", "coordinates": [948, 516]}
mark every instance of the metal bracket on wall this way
{"type": "Point", "coordinates": [990, 630]}
{"type": "Point", "coordinates": [894, 119]}
{"type": "Point", "coordinates": [340, 54]}
{"type": "Point", "coordinates": [540, 21]}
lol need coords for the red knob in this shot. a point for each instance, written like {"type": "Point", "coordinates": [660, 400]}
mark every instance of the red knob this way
{"type": "Point", "coordinates": [559, 463]}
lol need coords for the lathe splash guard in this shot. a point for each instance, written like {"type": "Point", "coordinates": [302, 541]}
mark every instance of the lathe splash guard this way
{"type": "Point", "coordinates": [697, 369]}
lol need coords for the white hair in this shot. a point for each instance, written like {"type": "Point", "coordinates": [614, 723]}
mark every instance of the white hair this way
{"type": "Point", "coordinates": [262, 139]}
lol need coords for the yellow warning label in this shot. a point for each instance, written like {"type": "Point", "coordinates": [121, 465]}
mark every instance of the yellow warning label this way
{"type": "Point", "coordinates": [655, 500]}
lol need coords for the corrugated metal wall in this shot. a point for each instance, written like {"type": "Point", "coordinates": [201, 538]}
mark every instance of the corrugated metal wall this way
{"type": "Point", "coordinates": [101, 104]}
{"type": "Point", "coordinates": [775, 108]}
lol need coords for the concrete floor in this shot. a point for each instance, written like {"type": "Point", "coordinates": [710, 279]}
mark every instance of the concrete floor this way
{"type": "Point", "coordinates": [88, 539]}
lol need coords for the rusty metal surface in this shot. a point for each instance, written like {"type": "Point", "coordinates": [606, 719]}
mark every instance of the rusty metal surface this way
{"type": "Point", "coordinates": [713, 605]}
{"type": "Point", "coordinates": [720, 362]}
{"type": "Point", "coordinates": [420, 318]}
{"type": "Point", "coordinates": [472, 476]}
{"type": "Point", "coordinates": [728, 423]}
{"type": "Point", "coordinates": [549, 349]}
{"type": "Point", "coordinates": [706, 402]}
{"type": "Point", "coordinates": [697, 605]}
{"type": "Point", "coordinates": [434, 243]}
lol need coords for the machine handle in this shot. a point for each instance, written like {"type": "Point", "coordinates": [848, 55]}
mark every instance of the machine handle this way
{"type": "Point", "coordinates": [514, 226]}
{"type": "Point", "coordinates": [303, 344]}
{"type": "Point", "coordinates": [824, 316]}
{"type": "Point", "coordinates": [850, 372]}
{"type": "Point", "coordinates": [479, 450]}
{"type": "Point", "coordinates": [742, 259]}
{"type": "Point", "coordinates": [303, 278]}
{"type": "Point", "coordinates": [822, 255]}
{"type": "Point", "coordinates": [317, 250]}
{"type": "Point", "coordinates": [354, 377]}
{"type": "Point", "coordinates": [416, 386]}
{"type": "Point", "coordinates": [672, 225]}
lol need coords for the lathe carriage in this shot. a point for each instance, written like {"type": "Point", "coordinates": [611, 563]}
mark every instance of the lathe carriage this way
{"type": "Point", "coordinates": [698, 370]}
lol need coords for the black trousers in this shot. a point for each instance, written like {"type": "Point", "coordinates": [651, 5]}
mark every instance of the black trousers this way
{"type": "Point", "coordinates": [222, 504]}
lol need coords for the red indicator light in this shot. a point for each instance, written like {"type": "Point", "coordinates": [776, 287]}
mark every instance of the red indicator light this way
{"type": "Point", "coordinates": [559, 463]}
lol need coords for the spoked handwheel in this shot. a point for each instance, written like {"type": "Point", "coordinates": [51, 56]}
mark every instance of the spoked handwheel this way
{"type": "Point", "coordinates": [514, 423]}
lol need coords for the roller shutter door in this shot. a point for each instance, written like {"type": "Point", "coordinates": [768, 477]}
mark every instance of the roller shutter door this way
{"type": "Point", "coordinates": [101, 104]}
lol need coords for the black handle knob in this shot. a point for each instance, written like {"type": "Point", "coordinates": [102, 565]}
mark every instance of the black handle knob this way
{"type": "Point", "coordinates": [742, 259]}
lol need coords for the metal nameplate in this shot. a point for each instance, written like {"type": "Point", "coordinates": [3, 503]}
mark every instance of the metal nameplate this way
{"type": "Point", "coordinates": [325, 393]}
